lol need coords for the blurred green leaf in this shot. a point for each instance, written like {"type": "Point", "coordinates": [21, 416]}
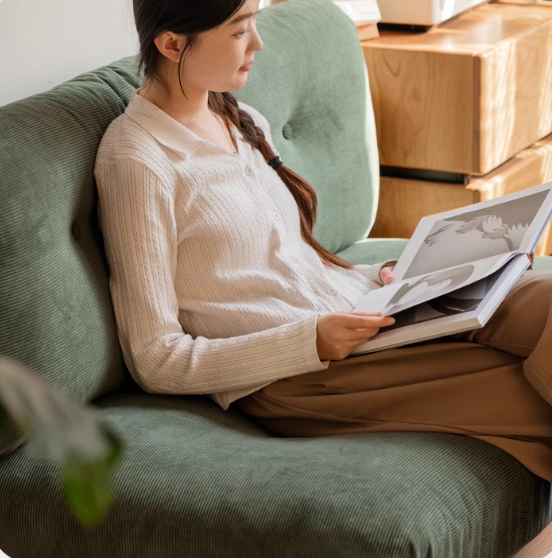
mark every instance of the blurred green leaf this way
{"type": "Point", "coordinates": [66, 431]}
{"type": "Point", "coordinates": [86, 484]}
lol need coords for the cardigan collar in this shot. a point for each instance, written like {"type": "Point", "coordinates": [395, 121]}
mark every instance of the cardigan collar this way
{"type": "Point", "coordinates": [165, 129]}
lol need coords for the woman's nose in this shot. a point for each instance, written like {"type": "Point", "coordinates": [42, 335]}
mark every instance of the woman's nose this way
{"type": "Point", "coordinates": [257, 42]}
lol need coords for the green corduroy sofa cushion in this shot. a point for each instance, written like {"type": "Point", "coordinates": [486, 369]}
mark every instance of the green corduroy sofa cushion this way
{"type": "Point", "coordinates": [54, 298]}
{"type": "Point", "coordinates": [197, 481]}
{"type": "Point", "coordinates": [55, 307]}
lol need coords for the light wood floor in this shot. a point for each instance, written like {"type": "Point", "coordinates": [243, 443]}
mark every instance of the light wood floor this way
{"type": "Point", "coordinates": [540, 547]}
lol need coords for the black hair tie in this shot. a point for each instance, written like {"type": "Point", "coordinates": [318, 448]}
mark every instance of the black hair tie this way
{"type": "Point", "coordinates": [276, 162]}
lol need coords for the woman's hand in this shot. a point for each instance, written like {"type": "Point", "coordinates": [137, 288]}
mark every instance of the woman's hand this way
{"type": "Point", "coordinates": [338, 333]}
{"type": "Point", "coordinates": [386, 274]}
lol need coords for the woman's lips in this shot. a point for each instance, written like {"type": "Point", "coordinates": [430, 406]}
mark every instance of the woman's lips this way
{"type": "Point", "coordinates": [246, 68]}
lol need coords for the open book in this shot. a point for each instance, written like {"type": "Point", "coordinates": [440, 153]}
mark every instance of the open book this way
{"type": "Point", "coordinates": [457, 268]}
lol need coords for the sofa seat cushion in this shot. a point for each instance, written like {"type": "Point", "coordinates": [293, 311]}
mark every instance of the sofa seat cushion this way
{"type": "Point", "coordinates": [196, 481]}
{"type": "Point", "coordinates": [373, 250]}
{"type": "Point", "coordinates": [542, 264]}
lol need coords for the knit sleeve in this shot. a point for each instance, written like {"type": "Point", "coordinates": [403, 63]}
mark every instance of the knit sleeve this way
{"type": "Point", "coordinates": [137, 219]}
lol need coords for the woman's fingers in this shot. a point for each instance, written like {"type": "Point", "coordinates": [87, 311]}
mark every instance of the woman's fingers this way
{"type": "Point", "coordinates": [356, 321]}
{"type": "Point", "coordinates": [365, 334]}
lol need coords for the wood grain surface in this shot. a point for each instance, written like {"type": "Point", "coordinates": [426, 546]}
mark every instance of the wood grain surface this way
{"type": "Point", "coordinates": [539, 3]}
{"type": "Point", "coordinates": [403, 202]}
{"type": "Point", "coordinates": [467, 95]}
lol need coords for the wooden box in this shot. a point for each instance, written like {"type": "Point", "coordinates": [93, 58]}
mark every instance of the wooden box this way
{"type": "Point", "coordinates": [403, 202]}
{"type": "Point", "coordinates": [367, 31]}
{"type": "Point", "coordinates": [467, 95]}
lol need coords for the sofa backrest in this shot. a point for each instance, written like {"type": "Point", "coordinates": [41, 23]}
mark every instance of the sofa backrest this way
{"type": "Point", "coordinates": [310, 82]}
{"type": "Point", "coordinates": [56, 315]}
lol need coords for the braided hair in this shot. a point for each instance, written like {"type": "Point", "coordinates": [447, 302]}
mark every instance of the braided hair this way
{"type": "Point", "coordinates": [191, 18]}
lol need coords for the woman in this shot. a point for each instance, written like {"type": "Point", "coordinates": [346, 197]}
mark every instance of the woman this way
{"type": "Point", "coordinates": [219, 287]}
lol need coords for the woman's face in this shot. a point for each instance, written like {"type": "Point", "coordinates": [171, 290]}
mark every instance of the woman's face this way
{"type": "Point", "coordinates": [215, 62]}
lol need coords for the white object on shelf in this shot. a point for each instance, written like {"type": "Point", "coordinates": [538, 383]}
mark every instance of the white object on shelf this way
{"type": "Point", "coordinates": [360, 10]}
{"type": "Point", "coordinates": [423, 12]}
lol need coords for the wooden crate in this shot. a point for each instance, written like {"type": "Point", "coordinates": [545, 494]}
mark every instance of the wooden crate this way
{"type": "Point", "coordinates": [467, 95]}
{"type": "Point", "coordinates": [367, 31]}
{"type": "Point", "coordinates": [403, 202]}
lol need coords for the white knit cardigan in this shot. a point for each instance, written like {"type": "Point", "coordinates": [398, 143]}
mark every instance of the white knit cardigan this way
{"type": "Point", "coordinates": [214, 290]}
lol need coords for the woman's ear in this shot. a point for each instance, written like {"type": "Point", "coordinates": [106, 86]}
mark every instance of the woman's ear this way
{"type": "Point", "coordinates": [170, 45]}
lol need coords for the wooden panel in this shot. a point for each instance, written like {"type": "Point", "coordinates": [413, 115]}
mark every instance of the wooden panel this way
{"type": "Point", "coordinates": [416, 97]}
{"type": "Point", "coordinates": [367, 31]}
{"type": "Point", "coordinates": [515, 94]}
{"type": "Point", "coordinates": [404, 202]}
{"type": "Point", "coordinates": [529, 168]}
{"type": "Point", "coordinates": [468, 94]}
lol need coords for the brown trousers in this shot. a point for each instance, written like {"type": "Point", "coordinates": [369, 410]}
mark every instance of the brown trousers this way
{"type": "Point", "coordinates": [492, 383]}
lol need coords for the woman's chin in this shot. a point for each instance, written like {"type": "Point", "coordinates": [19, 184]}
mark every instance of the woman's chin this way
{"type": "Point", "coordinates": [238, 82]}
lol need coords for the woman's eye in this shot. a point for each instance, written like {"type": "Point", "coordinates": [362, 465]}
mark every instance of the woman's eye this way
{"type": "Point", "coordinates": [239, 34]}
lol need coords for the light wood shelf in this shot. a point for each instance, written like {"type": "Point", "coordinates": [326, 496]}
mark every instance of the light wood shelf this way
{"type": "Point", "coordinates": [403, 202]}
{"type": "Point", "coordinates": [467, 95]}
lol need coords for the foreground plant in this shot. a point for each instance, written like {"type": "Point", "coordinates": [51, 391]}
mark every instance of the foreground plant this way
{"type": "Point", "coordinates": [66, 431]}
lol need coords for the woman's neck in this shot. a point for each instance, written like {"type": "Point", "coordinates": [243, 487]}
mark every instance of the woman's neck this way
{"type": "Point", "coordinates": [191, 111]}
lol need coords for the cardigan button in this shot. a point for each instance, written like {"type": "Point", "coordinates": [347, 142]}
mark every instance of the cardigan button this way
{"type": "Point", "coordinates": [286, 130]}
{"type": "Point", "coordinates": [275, 215]}
{"type": "Point", "coordinates": [248, 171]}
{"type": "Point", "coordinates": [332, 292]}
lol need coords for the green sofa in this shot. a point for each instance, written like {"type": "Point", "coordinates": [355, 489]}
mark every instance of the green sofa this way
{"type": "Point", "coordinates": [196, 481]}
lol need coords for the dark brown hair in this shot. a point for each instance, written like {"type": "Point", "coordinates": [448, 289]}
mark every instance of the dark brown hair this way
{"type": "Point", "coordinates": [191, 18]}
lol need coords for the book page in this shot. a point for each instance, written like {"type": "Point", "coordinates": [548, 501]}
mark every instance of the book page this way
{"type": "Point", "coordinates": [396, 297]}
{"type": "Point", "coordinates": [464, 309]}
{"type": "Point", "coordinates": [466, 299]}
{"type": "Point", "coordinates": [510, 224]}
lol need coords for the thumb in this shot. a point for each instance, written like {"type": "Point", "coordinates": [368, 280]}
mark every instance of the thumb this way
{"type": "Point", "coordinates": [367, 313]}
{"type": "Point", "coordinates": [386, 275]}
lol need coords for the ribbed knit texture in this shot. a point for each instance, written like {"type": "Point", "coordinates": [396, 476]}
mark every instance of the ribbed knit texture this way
{"type": "Point", "coordinates": [214, 290]}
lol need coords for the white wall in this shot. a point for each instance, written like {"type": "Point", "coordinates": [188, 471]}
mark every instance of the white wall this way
{"type": "Point", "coordinates": [46, 42]}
